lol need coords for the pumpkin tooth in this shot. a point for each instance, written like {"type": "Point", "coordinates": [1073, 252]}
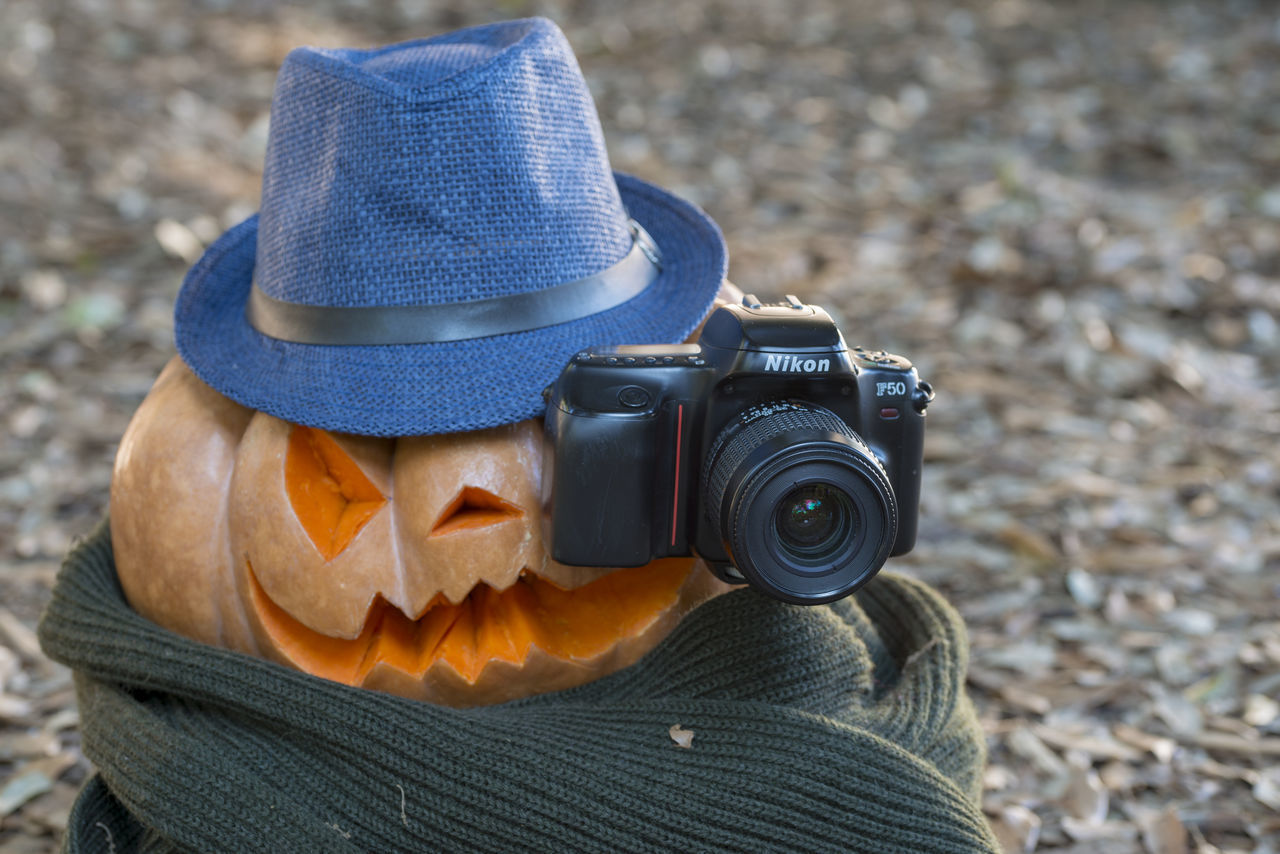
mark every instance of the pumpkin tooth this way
{"type": "Point", "coordinates": [433, 625]}
{"type": "Point", "coordinates": [371, 651]}
{"type": "Point", "coordinates": [458, 646]}
{"type": "Point", "coordinates": [229, 471]}
{"type": "Point", "coordinates": [514, 609]}
{"type": "Point", "coordinates": [493, 641]}
{"type": "Point", "coordinates": [395, 640]}
{"type": "Point", "coordinates": [487, 626]}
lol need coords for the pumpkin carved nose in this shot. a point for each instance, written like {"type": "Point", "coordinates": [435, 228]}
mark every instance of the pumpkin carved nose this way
{"type": "Point", "coordinates": [474, 508]}
{"type": "Point", "coordinates": [465, 511]}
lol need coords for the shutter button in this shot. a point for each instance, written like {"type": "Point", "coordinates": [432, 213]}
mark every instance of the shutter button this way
{"type": "Point", "coordinates": [633, 397]}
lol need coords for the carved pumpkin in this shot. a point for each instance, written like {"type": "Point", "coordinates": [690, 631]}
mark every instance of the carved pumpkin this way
{"type": "Point", "coordinates": [412, 565]}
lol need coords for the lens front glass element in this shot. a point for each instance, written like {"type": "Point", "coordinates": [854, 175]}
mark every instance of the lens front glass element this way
{"type": "Point", "coordinates": [814, 522]}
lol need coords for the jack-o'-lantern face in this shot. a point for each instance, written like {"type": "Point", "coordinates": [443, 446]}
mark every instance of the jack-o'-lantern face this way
{"type": "Point", "coordinates": [412, 565]}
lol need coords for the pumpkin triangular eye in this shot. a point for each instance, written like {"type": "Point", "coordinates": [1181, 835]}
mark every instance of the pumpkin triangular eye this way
{"type": "Point", "coordinates": [331, 496]}
{"type": "Point", "coordinates": [474, 508]}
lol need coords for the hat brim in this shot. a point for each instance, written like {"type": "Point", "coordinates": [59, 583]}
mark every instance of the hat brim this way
{"type": "Point", "coordinates": [415, 389]}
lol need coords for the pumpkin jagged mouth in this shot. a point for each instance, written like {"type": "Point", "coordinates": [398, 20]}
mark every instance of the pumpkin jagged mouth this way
{"type": "Point", "coordinates": [488, 625]}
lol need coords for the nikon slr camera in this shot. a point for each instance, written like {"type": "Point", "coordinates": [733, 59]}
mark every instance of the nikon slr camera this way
{"type": "Point", "coordinates": [769, 449]}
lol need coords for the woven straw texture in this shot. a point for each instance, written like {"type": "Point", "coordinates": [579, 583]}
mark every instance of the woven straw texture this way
{"type": "Point", "coordinates": [464, 167]}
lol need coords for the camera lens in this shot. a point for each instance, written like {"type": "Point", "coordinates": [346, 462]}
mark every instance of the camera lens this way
{"type": "Point", "coordinates": [812, 522]}
{"type": "Point", "coordinates": [804, 508]}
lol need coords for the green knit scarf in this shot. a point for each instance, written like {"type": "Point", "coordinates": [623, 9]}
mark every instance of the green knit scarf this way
{"type": "Point", "coordinates": [831, 728]}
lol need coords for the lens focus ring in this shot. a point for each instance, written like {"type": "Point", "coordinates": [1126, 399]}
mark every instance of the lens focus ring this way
{"type": "Point", "coordinates": [757, 426]}
{"type": "Point", "coordinates": [804, 508]}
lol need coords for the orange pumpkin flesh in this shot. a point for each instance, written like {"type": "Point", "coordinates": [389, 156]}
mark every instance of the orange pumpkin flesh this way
{"type": "Point", "coordinates": [488, 625]}
{"type": "Point", "coordinates": [332, 497]}
{"type": "Point", "coordinates": [474, 508]}
{"type": "Point", "coordinates": [410, 565]}
{"type": "Point", "coordinates": [333, 500]}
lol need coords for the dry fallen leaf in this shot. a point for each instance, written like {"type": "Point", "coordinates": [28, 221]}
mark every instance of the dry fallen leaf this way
{"type": "Point", "coordinates": [19, 637]}
{"type": "Point", "coordinates": [1100, 479]}
{"type": "Point", "coordinates": [32, 780]}
{"type": "Point", "coordinates": [1017, 828]}
{"type": "Point", "coordinates": [1024, 743]}
{"type": "Point", "coordinates": [1085, 798]}
{"type": "Point", "coordinates": [682, 737]}
{"type": "Point", "coordinates": [1267, 788]}
{"type": "Point", "coordinates": [1162, 832]}
{"type": "Point", "coordinates": [1161, 748]}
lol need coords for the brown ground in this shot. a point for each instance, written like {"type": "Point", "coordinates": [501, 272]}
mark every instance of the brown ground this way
{"type": "Point", "coordinates": [1067, 214]}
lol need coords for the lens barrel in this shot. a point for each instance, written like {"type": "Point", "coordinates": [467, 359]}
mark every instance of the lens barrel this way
{"type": "Point", "coordinates": [805, 509]}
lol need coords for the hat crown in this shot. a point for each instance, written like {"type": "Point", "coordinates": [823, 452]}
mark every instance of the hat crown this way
{"type": "Point", "coordinates": [462, 167]}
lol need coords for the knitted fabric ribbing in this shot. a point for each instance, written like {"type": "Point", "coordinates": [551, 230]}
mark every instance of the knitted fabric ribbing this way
{"type": "Point", "coordinates": [832, 728]}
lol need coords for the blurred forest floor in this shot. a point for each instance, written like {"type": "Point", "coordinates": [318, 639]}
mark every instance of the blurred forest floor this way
{"type": "Point", "coordinates": [1067, 214]}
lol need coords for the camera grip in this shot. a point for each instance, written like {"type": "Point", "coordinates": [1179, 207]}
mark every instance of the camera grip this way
{"type": "Point", "coordinates": [598, 512]}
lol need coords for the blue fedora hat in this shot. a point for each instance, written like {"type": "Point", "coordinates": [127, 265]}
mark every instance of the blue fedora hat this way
{"type": "Point", "coordinates": [440, 231]}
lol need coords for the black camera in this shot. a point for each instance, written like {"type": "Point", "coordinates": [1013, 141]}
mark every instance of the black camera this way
{"type": "Point", "coordinates": [771, 450]}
